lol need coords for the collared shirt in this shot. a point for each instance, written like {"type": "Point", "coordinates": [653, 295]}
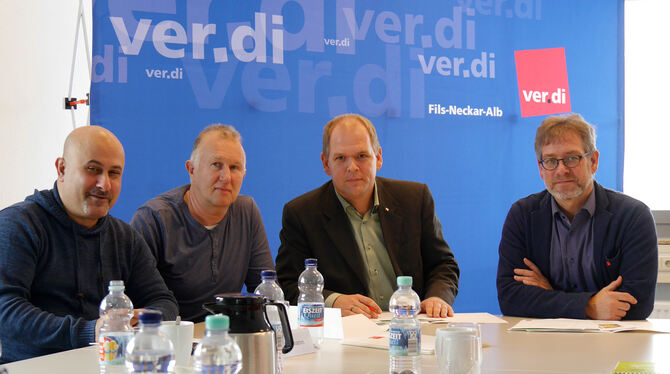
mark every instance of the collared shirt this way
{"type": "Point", "coordinates": [571, 263]}
{"type": "Point", "coordinates": [370, 240]}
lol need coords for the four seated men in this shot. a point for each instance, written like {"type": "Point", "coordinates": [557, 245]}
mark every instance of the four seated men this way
{"type": "Point", "coordinates": [575, 250]}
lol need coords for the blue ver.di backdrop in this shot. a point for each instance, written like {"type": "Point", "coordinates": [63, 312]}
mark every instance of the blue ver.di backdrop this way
{"type": "Point", "coordinates": [165, 69]}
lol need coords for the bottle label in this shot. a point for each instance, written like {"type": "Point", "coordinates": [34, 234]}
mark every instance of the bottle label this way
{"type": "Point", "coordinates": [405, 341]}
{"type": "Point", "coordinates": [279, 335]}
{"type": "Point", "coordinates": [159, 365]}
{"type": "Point", "coordinates": [112, 347]}
{"type": "Point", "coordinates": [311, 315]}
{"type": "Point", "coordinates": [219, 369]}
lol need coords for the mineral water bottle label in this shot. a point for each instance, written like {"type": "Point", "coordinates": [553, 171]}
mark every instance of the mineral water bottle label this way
{"type": "Point", "coordinates": [112, 348]}
{"type": "Point", "coordinates": [279, 334]}
{"type": "Point", "coordinates": [159, 365]}
{"type": "Point", "coordinates": [220, 369]}
{"type": "Point", "coordinates": [405, 341]}
{"type": "Point", "coordinates": [311, 315]}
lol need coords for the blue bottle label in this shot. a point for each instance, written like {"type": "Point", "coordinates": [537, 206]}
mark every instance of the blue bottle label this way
{"type": "Point", "coordinates": [112, 348]}
{"type": "Point", "coordinates": [405, 341]}
{"type": "Point", "coordinates": [311, 315]}
{"type": "Point", "coordinates": [159, 365]}
{"type": "Point", "coordinates": [220, 369]}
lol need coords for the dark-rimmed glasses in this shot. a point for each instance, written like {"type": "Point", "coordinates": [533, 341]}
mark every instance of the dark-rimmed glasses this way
{"type": "Point", "coordinates": [569, 162]}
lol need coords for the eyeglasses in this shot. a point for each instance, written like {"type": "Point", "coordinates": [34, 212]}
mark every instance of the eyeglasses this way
{"type": "Point", "coordinates": [569, 162]}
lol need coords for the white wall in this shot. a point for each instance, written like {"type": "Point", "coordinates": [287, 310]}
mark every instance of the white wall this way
{"type": "Point", "coordinates": [646, 172]}
{"type": "Point", "coordinates": [38, 40]}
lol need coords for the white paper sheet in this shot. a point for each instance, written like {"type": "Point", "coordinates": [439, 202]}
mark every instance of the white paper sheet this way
{"type": "Point", "coordinates": [360, 325]}
{"type": "Point", "coordinates": [580, 325]}
{"type": "Point", "coordinates": [302, 343]}
{"type": "Point", "coordinates": [382, 342]}
{"type": "Point", "coordinates": [385, 318]}
{"type": "Point", "coordinates": [363, 332]}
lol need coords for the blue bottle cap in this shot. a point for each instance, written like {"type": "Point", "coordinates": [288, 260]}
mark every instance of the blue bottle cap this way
{"type": "Point", "coordinates": [404, 281]}
{"type": "Point", "coordinates": [150, 316]}
{"type": "Point", "coordinates": [310, 262]}
{"type": "Point", "coordinates": [268, 274]}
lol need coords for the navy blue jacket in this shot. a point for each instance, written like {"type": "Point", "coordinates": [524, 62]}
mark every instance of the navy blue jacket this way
{"type": "Point", "coordinates": [54, 273]}
{"type": "Point", "coordinates": [624, 242]}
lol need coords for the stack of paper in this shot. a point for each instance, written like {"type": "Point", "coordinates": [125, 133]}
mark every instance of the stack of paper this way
{"type": "Point", "coordinates": [581, 325]}
{"type": "Point", "coordinates": [480, 318]}
{"type": "Point", "coordinates": [363, 332]}
{"type": "Point", "coordinates": [382, 342]}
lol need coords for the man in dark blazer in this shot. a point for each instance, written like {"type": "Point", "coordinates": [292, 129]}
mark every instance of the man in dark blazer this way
{"type": "Point", "coordinates": [577, 249]}
{"type": "Point", "coordinates": [365, 230]}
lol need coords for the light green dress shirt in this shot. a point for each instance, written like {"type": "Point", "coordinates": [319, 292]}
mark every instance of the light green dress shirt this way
{"type": "Point", "coordinates": [370, 239]}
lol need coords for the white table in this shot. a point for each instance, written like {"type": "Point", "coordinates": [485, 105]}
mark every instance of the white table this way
{"type": "Point", "coordinates": [504, 352]}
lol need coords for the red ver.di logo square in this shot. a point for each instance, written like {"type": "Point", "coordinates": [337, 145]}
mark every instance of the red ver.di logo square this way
{"type": "Point", "coordinates": [542, 76]}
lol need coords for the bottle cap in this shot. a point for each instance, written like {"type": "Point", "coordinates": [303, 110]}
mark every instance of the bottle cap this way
{"type": "Point", "coordinates": [268, 274]}
{"type": "Point", "coordinates": [150, 316]}
{"type": "Point", "coordinates": [116, 285]}
{"type": "Point", "coordinates": [310, 262]}
{"type": "Point", "coordinates": [404, 281]}
{"type": "Point", "coordinates": [217, 322]}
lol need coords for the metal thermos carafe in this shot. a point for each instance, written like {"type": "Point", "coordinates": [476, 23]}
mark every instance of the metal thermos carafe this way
{"type": "Point", "coordinates": [250, 327]}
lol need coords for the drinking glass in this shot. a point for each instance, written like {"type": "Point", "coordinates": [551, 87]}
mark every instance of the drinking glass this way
{"type": "Point", "coordinates": [458, 350]}
{"type": "Point", "coordinates": [473, 327]}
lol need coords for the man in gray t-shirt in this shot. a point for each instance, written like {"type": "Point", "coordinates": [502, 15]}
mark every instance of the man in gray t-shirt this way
{"type": "Point", "coordinates": [206, 238]}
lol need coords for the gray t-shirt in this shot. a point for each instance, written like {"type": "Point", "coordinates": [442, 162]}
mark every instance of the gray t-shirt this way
{"type": "Point", "coordinates": [198, 263]}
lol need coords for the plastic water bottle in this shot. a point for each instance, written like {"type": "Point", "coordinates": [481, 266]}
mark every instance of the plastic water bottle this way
{"type": "Point", "coordinates": [405, 329]}
{"type": "Point", "coordinates": [217, 353]}
{"type": "Point", "coordinates": [310, 301]}
{"type": "Point", "coordinates": [150, 351]}
{"type": "Point", "coordinates": [271, 291]}
{"type": "Point", "coordinates": [116, 310]}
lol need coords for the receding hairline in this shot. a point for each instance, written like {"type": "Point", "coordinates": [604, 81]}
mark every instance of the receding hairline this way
{"type": "Point", "coordinates": [224, 132]}
{"type": "Point", "coordinates": [78, 137]}
{"type": "Point", "coordinates": [333, 123]}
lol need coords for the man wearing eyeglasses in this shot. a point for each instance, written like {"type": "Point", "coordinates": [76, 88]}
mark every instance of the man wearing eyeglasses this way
{"type": "Point", "coordinates": [577, 249]}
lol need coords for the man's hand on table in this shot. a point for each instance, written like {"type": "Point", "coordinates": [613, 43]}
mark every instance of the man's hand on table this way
{"type": "Point", "coordinates": [357, 304]}
{"type": "Point", "coordinates": [435, 307]}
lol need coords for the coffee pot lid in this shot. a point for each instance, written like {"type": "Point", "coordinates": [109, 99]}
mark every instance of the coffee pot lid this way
{"type": "Point", "coordinates": [239, 299]}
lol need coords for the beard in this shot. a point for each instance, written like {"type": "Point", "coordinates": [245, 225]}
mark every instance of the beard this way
{"type": "Point", "coordinates": [96, 192]}
{"type": "Point", "coordinates": [577, 192]}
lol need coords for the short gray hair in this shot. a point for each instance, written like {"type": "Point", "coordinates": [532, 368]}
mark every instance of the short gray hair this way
{"type": "Point", "coordinates": [223, 131]}
{"type": "Point", "coordinates": [556, 127]}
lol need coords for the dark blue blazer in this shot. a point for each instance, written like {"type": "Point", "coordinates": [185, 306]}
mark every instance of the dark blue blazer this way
{"type": "Point", "coordinates": [624, 242]}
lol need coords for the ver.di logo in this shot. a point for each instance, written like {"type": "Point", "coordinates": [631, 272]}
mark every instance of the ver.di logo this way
{"type": "Point", "coordinates": [542, 77]}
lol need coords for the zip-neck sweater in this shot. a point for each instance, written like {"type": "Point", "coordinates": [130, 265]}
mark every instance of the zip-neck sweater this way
{"type": "Point", "coordinates": [54, 273]}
